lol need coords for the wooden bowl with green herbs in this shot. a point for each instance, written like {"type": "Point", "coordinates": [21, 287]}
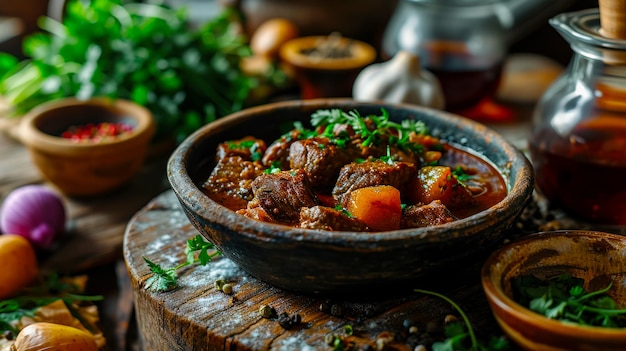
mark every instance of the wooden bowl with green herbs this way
{"type": "Point", "coordinates": [560, 291]}
{"type": "Point", "coordinates": [328, 193]}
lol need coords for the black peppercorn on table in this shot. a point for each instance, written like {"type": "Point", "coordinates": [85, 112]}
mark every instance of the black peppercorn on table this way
{"type": "Point", "coordinates": [196, 315]}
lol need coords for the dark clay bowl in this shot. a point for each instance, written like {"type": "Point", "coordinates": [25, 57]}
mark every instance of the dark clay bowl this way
{"type": "Point", "coordinates": [317, 261]}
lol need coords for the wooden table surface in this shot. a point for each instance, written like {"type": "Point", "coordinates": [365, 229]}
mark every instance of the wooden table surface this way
{"type": "Point", "coordinates": [197, 316]}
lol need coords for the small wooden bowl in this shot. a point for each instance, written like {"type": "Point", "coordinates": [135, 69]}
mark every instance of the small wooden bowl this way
{"type": "Point", "coordinates": [87, 168]}
{"type": "Point", "coordinates": [596, 257]}
{"type": "Point", "coordinates": [311, 261]}
{"type": "Point", "coordinates": [324, 77]}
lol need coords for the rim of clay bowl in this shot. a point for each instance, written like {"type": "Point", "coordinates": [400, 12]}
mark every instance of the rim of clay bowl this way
{"type": "Point", "coordinates": [193, 197]}
{"type": "Point", "coordinates": [32, 136]}
{"type": "Point", "coordinates": [502, 300]}
{"type": "Point", "coordinates": [291, 52]}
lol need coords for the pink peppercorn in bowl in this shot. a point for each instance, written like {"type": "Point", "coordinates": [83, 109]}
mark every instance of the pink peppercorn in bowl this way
{"type": "Point", "coordinates": [88, 147]}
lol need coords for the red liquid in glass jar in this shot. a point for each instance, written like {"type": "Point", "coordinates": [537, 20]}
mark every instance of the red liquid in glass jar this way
{"type": "Point", "coordinates": [464, 89]}
{"type": "Point", "coordinates": [585, 172]}
{"type": "Point", "coordinates": [464, 79]}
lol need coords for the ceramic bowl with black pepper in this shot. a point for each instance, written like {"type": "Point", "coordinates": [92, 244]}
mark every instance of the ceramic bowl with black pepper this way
{"type": "Point", "coordinates": [338, 196]}
{"type": "Point", "coordinates": [88, 147]}
{"type": "Point", "coordinates": [560, 291]}
{"type": "Point", "coordinates": [326, 66]}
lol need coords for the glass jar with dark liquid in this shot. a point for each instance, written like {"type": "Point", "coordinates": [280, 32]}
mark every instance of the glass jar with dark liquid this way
{"type": "Point", "coordinates": [578, 137]}
{"type": "Point", "coordinates": [462, 42]}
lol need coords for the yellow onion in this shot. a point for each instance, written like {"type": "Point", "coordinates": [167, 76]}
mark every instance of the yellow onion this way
{"type": "Point", "coordinates": [53, 337]}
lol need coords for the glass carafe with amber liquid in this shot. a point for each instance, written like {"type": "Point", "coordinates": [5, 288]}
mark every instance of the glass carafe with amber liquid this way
{"type": "Point", "coordinates": [578, 137]}
{"type": "Point", "coordinates": [462, 42]}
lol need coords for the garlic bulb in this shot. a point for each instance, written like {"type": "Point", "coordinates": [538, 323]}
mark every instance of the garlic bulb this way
{"type": "Point", "coordinates": [400, 79]}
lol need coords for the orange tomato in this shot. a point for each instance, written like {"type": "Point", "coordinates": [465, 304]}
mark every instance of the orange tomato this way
{"type": "Point", "coordinates": [19, 264]}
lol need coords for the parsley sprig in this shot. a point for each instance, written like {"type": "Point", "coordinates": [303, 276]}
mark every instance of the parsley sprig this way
{"type": "Point", "coordinates": [457, 333]}
{"type": "Point", "coordinates": [251, 145]}
{"type": "Point", "coordinates": [564, 298]}
{"type": "Point", "coordinates": [461, 176]}
{"type": "Point", "coordinates": [165, 279]}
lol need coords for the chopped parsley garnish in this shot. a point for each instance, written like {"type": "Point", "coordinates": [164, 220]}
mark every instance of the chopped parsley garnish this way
{"type": "Point", "coordinates": [372, 129]}
{"type": "Point", "coordinates": [388, 158]}
{"type": "Point", "coordinates": [273, 168]}
{"type": "Point", "coordinates": [344, 211]}
{"type": "Point", "coordinates": [461, 176]}
{"type": "Point", "coordinates": [252, 145]}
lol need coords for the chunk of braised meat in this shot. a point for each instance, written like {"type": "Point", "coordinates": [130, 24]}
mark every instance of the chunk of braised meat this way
{"type": "Point", "coordinates": [255, 211]}
{"type": "Point", "coordinates": [406, 156]}
{"type": "Point", "coordinates": [248, 148]}
{"type": "Point", "coordinates": [438, 183]}
{"type": "Point", "coordinates": [283, 194]}
{"type": "Point", "coordinates": [230, 182]}
{"type": "Point", "coordinates": [326, 218]}
{"type": "Point", "coordinates": [278, 151]}
{"type": "Point", "coordinates": [321, 160]}
{"type": "Point", "coordinates": [434, 213]}
{"type": "Point", "coordinates": [371, 173]}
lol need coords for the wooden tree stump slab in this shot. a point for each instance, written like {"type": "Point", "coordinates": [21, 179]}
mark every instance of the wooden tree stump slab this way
{"type": "Point", "coordinates": [197, 316]}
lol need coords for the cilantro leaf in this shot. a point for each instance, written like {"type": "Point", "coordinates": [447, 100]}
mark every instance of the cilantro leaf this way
{"type": "Point", "coordinates": [163, 279]}
{"type": "Point", "coordinates": [457, 333]}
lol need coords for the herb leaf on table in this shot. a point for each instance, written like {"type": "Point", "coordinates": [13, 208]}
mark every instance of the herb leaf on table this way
{"type": "Point", "coordinates": [458, 333]}
{"type": "Point", "coordinates": [165, 279]}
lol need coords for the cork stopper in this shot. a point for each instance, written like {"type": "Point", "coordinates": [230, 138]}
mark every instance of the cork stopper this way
{"type": "Point", "coordinates": [613, 18]}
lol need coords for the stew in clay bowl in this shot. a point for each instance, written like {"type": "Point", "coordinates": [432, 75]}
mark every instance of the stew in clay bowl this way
{"type": "Point", "coordinates": [334, 195]}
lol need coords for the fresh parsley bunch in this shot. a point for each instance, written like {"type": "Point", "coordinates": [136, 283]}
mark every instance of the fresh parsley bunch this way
{"type": "Point", "coordinates": [143, 52]}
{"type": "Point", "coordinates": [564, 298]}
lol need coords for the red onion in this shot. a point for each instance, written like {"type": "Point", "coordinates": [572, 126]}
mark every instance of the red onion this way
{"type": "Point", "coordinates": [34, 212]}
